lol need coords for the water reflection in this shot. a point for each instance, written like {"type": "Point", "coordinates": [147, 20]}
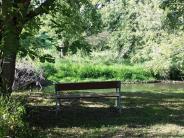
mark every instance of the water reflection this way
{"type": "Point", "coordinates": [153, 87]}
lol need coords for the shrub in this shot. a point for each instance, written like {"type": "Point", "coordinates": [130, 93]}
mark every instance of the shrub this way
{"type": "Point", "coordinates": [175, 73]}
{"type": "Point", "coordinates": [49, 69]}
{"type": "Point", "coordinates": [12, 123]}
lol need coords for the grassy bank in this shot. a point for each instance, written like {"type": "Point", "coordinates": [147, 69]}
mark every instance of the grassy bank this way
{"type": "Point", "coordinates": [76, 71]}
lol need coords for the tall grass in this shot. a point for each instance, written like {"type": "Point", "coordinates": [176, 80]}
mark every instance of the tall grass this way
{"type": "Point", "coordinates": [76, 71]}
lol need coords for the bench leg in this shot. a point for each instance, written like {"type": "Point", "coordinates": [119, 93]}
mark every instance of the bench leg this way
{"type": "Point", "coordinates": [118, 100]}
{"type": "Point", "coordinates": [58, 102]}
{"type": "Point", "coordinates": [119, 103]}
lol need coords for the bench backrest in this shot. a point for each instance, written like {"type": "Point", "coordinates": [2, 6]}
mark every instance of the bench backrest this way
{"type": "Point", "coordinates": [87, 85]}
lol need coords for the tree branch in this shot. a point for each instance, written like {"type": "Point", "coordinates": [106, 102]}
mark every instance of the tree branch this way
{"type": "Point", "coordinates": [1, 32]}
{"type": "Point", "coordinates": [26, 3]}
{"type": "Point", "coordinates": [43, 8]}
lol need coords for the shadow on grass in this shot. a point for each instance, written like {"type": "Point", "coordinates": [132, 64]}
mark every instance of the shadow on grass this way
{"type": "Point", "coordinates": [139, 110]}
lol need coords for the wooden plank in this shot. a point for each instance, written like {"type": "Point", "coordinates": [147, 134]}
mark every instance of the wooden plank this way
{"type": "Point", "coordinates": [87, 85]}
{"type": "Point", "coordinates": [85, 96]}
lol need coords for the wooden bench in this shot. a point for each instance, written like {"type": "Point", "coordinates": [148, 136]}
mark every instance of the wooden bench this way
{"type": "Point", "coordinates": [61, 87]}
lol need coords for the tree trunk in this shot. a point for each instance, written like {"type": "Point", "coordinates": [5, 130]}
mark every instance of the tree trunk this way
{"type": "Point", "coordinates": [65, 47]}
{"type": "Point", "coordinates": [10, 43]}
{"type": "Point", "coordinates": [8, 72]}
{"type": "Point", "coordinates": [14, 15]}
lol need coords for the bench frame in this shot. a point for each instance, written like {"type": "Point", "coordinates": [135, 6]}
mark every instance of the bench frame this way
{"type": "Point", "coordinates": [59, 87]}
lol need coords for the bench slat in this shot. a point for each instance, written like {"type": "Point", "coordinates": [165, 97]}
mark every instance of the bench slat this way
{"type": "Point", "coordinates": [85, 96]}
{"type": "Point", "coordinates": [87, 85]}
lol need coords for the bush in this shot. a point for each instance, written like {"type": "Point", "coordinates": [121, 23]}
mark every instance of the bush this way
{"type": "Point", "coordinates": [49, 69]}
{"type": "Point", "coordinates": [175, 73]}
{"type": "Point", "coordinates": [91, 71]}
{"type": "Point", "coordinates": [12, 123]}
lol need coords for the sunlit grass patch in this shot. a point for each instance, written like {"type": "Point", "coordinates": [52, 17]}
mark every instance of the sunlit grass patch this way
{"type": "Point", "coordinates": [83, 132]}
{"type": "Point", "coordinates": [166, 130]}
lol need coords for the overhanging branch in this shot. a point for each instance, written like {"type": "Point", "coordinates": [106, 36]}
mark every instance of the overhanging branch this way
{"type": "Point", "coordinates": [43, 8]}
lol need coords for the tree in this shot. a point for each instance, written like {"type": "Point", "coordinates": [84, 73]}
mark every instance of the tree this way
{"type": "Point", "coordinates": [148, 32]}
{"type": "Point", "coordinates": [174, 23]}
{"type": "Point", "coordinates": [14, 16]}
{"type": "Point", "coordinates": [134, 27]}
{"type": "Point", "coordinates": [73, 24]}
{"type": "Point", "coordinates": [17, 17]}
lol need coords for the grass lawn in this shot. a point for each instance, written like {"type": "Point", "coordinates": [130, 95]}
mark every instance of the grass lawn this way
{"type": "Point", "coordinates": [144, 114]}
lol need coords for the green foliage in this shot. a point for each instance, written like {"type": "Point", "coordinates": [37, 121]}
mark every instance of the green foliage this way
{"type": "Point", "coordinates": [73, 71]}
{"type": "Point", "coordinates": [113, 14]}
{"type": "Point", "coordinates": [137, 27]}
{"type": "Point", "coordinates": [174, 11]}
{"type": "Point", "coordinates": [72, 19]}
{"type": "Point", "coordinates": [11, 117]}
{"type": "Point", "coordinates": [67, 20]}
{"type": "Point", "coordinates": [81, 45]}
{"type": "Point", "coordinates": [71, 23]}
{"type": "Point", "coordinates": [146, 32]}
{"type": "Point", "coordinates": [34, 46]}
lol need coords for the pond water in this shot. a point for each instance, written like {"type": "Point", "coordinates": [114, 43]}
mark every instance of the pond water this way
{"type": "Point", "coordinates": [154, 87]}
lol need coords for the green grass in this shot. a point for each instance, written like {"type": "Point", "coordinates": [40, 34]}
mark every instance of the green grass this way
{"type": "Point", "coordinates": [146, 113]}
{"type": "Point", "coordinates": [76, 71]}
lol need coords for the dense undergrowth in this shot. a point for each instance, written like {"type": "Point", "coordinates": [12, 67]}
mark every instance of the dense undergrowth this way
{"type": "Point", "coordinates": [11, 112]}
